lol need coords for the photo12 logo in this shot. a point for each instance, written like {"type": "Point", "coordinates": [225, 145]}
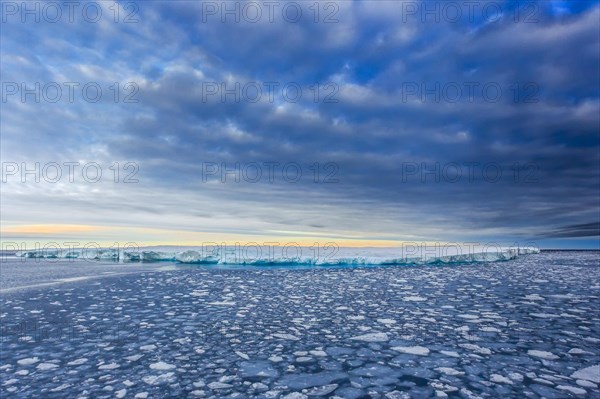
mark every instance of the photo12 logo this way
{"type": "Point", "coordinates": [469, 92]}
{"type": "Point", "coordinates": [69, 172]}
{"type": "Point", "coordinates": [69, 92]}
{"type": "Point", "coordinates": [66, 251]}
{"type": "Point", "coordinates": [270, 92]}
{"type": "Point", "coordinates": [471, 172]}
{"type": "Point", "coordinates": [442, 11]}
{"type": "Point", "coordinates": [253, 12]}
{"type": "Point", "coordinates": [269, 172]}
{"type": "Point", "coordinates": [69, 12]}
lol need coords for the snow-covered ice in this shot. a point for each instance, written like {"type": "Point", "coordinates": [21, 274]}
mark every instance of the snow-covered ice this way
{"type": "Point", "coordinates": [591, 373]}
{"type": "Point", "coordinates": [412, 350]}
{"type": "Point", "coordinates": [371, 337]}
{"type": "Point", "coordinates": [542, 354]}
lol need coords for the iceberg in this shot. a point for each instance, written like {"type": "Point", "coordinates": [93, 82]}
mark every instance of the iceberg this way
{"type": "Point", "coordinates": [132, 257]}
{"type": "Point", "coordinates": [304, 256]}
{"type": "Point", "coordinates": [197, 258]}
{"type": "Point", "coordinates": [104, 254]}
{"type": "Point", "coordinates": [31, 254]}
{"type": "Point", "coordinates": [85, 253]}
{"type": "Point", "coordinates": [72, 255]}
{"type": "Point", "coordinates": [148, 256]}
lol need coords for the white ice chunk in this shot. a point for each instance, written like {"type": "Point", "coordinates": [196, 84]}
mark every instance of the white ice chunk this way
{"type": "Point", "coordinates": [372, 337]}
{"type": "Point", "coordinates": [412, 350]}
{"type": "Point", "coordinates": [591, 373]}
{"type": "Point", "coordinates": [161, 366]}
{"type": "Point", "coordinates": [542, 354]}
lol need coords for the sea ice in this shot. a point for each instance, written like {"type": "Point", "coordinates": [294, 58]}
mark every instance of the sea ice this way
{"type": "Point", "coordinates": [542, 354]}
{"type": "Point", "coordinates": [159, 379]}
{"type": "Point", "coordinates": [579, 351]}
{"type": "Point", "coordinates": [575, 390]}
{"type": "Point", "coordinates": [586, 384]}
{"type": "Point", "coordinates": [476, 349]}
{"type": "Point", "coordinates": [77, 362]}
{"type": "Point", "coordinates": [219, 385]}
{"type": "Point", "coordinates": [412, 350]}
{"type": "Point", "coordinates": [450, 353]}
{"type": "Point", "coordinates": [288, 337]}
{"type": "Point", "coordinates": [28, 361]}
{"type": "Point", "coordinates": [110, 366]}
{"type": "Point", "coordinates": [449, 371]}
{"type": "Point", "coordinates": [500, 379]}
{"type": "Point", "coordinates": [371, 337]}
{"type": "Point", "coordinates": [414, 298]}
{"type": "Point", "coordinates": [591, 373]}
{"type": "Point", "coordinates": [46, 366]}
{"type": "Point", "coordinates": [161, 366]}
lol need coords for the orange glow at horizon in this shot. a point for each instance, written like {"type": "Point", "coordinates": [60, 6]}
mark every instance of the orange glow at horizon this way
{"type": "Point", "coordinates": [143, 236]}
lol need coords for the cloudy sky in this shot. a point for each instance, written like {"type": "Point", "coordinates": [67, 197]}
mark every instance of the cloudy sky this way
{"type": "Point", "coordinates": [358, 122]}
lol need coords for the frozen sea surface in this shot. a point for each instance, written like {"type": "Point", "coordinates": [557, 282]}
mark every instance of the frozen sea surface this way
{"type": "Point", "coordinates": [523, 328]}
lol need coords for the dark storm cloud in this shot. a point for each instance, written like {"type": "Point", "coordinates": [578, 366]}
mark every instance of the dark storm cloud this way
{"type": "Point", "coordinates": [577, 230]}
{"type": "Point", "coordinates": [395, 117]}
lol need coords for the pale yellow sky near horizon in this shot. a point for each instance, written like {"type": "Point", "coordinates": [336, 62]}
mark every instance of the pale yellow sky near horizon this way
{"type": "Point", "coordinates": [66, 237]}
{"type": "Point", "coordinates": [44, 234]}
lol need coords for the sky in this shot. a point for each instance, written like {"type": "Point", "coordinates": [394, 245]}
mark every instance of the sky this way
{"type": "Point", "coordinates": [364, 123]}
